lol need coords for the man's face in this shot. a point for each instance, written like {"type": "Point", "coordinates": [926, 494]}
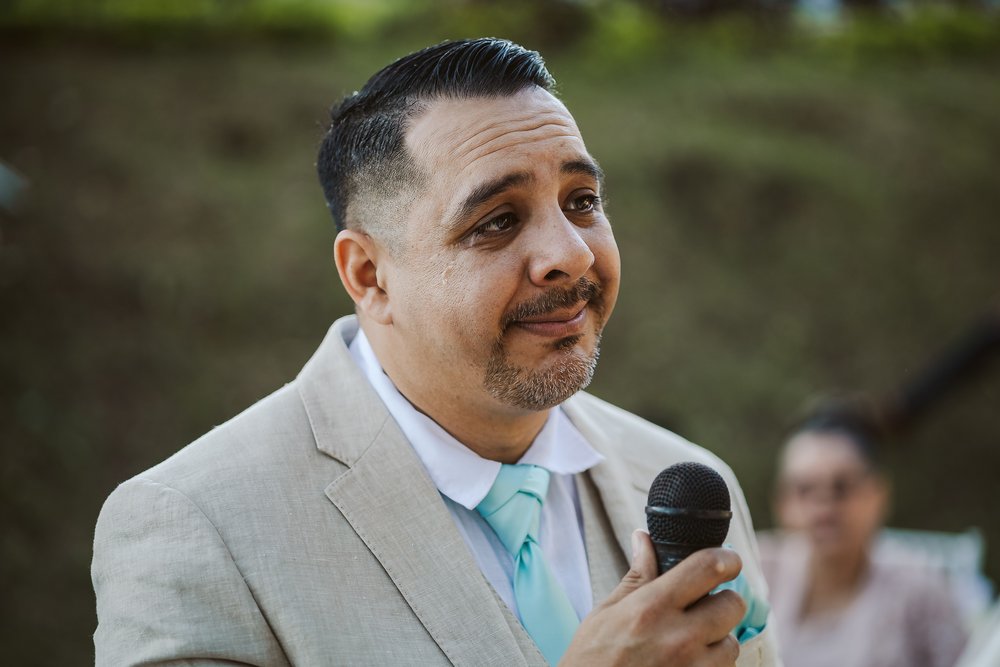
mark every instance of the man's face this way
{"type": "Point", "coordinates": [506, 269]}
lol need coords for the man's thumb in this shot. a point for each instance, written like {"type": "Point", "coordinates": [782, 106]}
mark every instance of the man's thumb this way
{"type": "Point", "coordinates": [643, 568]}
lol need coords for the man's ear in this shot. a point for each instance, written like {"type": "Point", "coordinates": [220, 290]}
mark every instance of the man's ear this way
{"type": "Point", "coordinates": [357, 256]}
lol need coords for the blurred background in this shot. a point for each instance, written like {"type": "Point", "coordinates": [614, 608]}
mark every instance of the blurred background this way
{"type": "Point", "coordinates": [806, 196]}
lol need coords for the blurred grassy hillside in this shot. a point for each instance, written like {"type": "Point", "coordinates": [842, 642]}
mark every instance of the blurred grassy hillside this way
{"type": "Point", "coordinates": [798, 214]}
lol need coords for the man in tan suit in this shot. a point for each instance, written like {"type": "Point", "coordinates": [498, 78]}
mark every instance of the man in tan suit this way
{"type": "Point", "coordinates": [335, 521]}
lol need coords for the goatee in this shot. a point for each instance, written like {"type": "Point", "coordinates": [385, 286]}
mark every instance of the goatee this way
{"type": "Point", "coordinates": [543, 388]}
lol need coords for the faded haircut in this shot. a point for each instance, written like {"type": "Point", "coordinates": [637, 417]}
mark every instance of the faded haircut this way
{"type": "Point", "coordinates": [363, 161]}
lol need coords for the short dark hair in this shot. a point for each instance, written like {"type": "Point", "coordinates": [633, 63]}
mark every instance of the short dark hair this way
{"type": "Point", "coordinates": [364, 151]}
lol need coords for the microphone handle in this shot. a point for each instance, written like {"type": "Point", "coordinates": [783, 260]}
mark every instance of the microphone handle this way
{"type": "Point", "coordinates": [669, 554]}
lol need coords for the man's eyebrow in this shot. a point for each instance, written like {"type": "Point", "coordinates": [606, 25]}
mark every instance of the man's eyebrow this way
{"type": "Point", "coordinates": [585, 166]}
{"type": "Point", "coordinates": [483, 192]}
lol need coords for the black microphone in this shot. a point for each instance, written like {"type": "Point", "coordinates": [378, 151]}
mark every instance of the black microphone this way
{"type": "Point", "coordinates": [688, 510]}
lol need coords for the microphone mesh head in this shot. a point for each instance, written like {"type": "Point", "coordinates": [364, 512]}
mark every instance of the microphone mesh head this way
{"type": "Point", "coordinates": [688, 486]}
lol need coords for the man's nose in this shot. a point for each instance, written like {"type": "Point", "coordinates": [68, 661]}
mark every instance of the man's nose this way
{"type": "Point", "coordinates": [558, 252]}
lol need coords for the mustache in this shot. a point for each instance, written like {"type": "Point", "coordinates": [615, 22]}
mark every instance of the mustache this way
{"type": "Point", "coordinates": [556, 298]}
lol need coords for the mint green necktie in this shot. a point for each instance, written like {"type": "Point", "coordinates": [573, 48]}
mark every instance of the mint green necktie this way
{"type": "Point", "coordinates": [513, 508]}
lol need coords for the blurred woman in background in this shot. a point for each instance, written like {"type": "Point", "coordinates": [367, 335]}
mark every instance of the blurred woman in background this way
{"type": "Point", "coordinates": [834, 604]}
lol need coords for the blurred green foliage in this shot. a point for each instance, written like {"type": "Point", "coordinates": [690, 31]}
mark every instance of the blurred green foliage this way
{"type": "Point", "coordinates": [357, 17]}
{"type": "Point", "coordinates": [799, 212]}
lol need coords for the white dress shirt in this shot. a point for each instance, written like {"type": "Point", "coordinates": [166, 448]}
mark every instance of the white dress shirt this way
{"type": "Point", "coordinates": [464, 478]}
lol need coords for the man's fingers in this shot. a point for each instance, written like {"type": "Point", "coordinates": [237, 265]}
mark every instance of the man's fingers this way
{"type": "Point", "coordinates": [700, 572]}
{"type": "Point", "coordinates": [726, 652]}
{"type": "Point", "coordinates": [666, 619]}
{"type": "Point", "coordinates": [643, 568]}
{"type": "Point", "coordinates": [717, 614]}
{"type": "Point", "coordinates": [693, 577]}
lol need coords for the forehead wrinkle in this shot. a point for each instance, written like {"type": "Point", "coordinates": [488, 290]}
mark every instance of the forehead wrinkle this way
{"type": "Point", "coordinates": [465, 126]}
{"type": "Point", "coordinates": [498, 129]}
{"type": "Point", "coordinates": [486, 150]}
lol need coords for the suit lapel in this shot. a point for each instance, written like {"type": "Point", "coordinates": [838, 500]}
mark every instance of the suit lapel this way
{"type": "Point", "coordinates": [614, 487]}
{"type": "Point", "coordinates": [605, 560]}
{"type": "Point", "coordinates": [394, 507]}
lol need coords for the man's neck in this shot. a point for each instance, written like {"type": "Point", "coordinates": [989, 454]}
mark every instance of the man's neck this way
{"type": "Point", "coordinates": [491, 430]}
{"type": "Point", "coordinates": [497, 437]}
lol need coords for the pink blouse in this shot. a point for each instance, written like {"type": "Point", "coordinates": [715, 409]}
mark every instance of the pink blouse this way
{"type": "Point", "coordinates": [903, 616]}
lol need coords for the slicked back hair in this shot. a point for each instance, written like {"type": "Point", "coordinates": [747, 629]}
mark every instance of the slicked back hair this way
{"type": "Point", "coordinates": [363, 160]}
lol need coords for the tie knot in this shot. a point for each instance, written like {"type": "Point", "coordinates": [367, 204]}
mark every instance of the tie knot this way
{"type": "Point", "coordinates": [514, 504]}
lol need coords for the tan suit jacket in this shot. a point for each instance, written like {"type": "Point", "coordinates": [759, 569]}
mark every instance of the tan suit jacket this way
{"type": "Point", "coordinates": [306, 531]}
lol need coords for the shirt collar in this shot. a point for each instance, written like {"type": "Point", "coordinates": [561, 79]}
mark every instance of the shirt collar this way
{"type": "Point", "coordinates": [457, 471]}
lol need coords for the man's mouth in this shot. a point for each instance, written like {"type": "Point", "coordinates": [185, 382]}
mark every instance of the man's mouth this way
{"type": "Point", "coordinates": [558, 324]}
{"type": "Point", "coordinates": [559, 312]}
{"type": "Point", "coordinates": [560, 315]}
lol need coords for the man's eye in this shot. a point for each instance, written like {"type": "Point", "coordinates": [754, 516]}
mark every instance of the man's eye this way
{"type": "Point", "coordinates": [584, 203]}
{"type": "Point", "coordinates": [497, 225]}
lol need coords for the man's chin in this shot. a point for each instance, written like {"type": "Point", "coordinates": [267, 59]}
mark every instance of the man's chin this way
{"type": "Point", "coordinates": [540, 386]}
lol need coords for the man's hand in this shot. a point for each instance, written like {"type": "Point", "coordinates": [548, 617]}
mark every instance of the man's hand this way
{"type": "Point", "coordinates": [666, 620]}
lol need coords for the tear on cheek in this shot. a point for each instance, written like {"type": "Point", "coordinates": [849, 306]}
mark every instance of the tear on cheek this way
{"type": "Point", "coordinates": [446, 273]}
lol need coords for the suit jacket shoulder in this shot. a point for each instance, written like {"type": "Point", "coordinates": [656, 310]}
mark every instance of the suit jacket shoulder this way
{"type": "Point", "coordinates": [644, 447]}
{"type": "Point", "coordinates": [302, 531]}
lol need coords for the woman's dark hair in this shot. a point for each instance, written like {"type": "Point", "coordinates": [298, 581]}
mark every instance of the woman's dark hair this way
{"type": "Point", "coordinates": [848, 419]}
